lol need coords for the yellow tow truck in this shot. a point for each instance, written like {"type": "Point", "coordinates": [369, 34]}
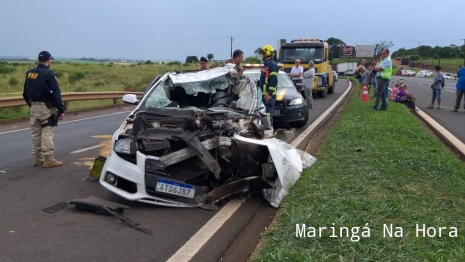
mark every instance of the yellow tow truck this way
{"type": "Point", "coordinates": [310, 49]}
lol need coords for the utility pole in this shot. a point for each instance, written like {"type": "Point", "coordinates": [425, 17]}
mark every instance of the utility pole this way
{"type": "Point", "coordinates": [232, 38]}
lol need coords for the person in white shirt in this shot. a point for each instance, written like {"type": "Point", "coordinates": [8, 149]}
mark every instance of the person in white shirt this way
{"type": "Point", "coordinates": [309, 79]}
{"type": "Point", "coordinates": [297, 72]}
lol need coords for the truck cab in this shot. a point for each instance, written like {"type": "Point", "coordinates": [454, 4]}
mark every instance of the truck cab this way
{"type": "Point", "coordinates": [306, 50]}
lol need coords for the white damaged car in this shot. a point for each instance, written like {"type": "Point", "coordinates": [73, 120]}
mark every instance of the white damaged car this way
{"type": "Point", "coordinates": [187, 144]}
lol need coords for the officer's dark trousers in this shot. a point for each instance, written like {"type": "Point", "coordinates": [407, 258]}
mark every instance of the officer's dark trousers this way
{"type": "Point", "coordinates": [269, 107]}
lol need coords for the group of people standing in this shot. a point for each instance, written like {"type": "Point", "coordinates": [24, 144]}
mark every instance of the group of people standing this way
{"type": "Point", "coordinates": [306, 78]}
{"type": "Point", "coordinates": [377, 75]}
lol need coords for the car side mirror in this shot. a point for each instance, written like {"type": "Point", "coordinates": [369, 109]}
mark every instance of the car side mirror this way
{"type": "Point", "coordinates": [330, 55]}
{"type": "Point", "coordinates": [299, 85]}
{"type": "Point", "coordinates": [130, 99]}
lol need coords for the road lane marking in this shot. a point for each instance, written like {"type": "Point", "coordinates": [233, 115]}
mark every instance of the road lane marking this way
{"type": "Point", "coordinates": [77, 120]}
{"type": "Point", "coordinates": [85, 149]}
{"type": "Point", "coordinates": [320, 119]}
{"type": "Point", "coordinates": [193, 245]}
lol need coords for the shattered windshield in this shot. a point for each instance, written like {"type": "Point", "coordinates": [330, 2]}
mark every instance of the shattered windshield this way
{"type": "Point", "coordinates": [186, 90]}
{"type": "Point", "coordinates": [283, 79]}
{"type": "Point", "coordinates": [305, 54]}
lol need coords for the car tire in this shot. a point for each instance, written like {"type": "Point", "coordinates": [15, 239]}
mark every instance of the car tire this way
{"type": "Point", "coordinates": [331, 90]}
{"type": "Point", "coordinates": [303, 122]}
{"type": "Point", "coordinates": [323, 94]}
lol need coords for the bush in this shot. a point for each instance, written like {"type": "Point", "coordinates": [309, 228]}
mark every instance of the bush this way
{"type": "Point", "coordinates": [13, 81]}
{"type": "Point", "coordinates": [72, 78]}
{"type": "Point", "coordinates": [174, 63]}
{"type": "Point", "coordinates": [80, 75]}
{"type": "Point", "coordinates": [6, 69]}
{"type": "Point", "coordinates": [59, 74]}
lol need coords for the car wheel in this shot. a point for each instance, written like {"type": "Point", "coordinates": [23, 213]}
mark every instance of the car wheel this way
{"type": "Point", "coordinates": [322, 94]}
{"type": "Point", "coordinates": [303, 122]}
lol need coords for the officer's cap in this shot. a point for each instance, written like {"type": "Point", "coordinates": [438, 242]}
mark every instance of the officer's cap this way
{"type": "Point", "coordinates": [45, 56]}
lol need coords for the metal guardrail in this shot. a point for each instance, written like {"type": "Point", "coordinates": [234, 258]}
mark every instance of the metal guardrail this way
{"type": "Point", "coordinates": [73, 96]}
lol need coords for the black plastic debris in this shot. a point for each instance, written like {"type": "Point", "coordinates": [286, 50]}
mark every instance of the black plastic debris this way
{"type": "Point", "coordinates": [55, 208]}
{"type": "Point", "coordinates": [102, 207]}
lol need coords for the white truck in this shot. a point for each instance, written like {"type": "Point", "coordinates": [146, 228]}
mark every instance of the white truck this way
{"type": "Point", "coordinates": [342, 67]}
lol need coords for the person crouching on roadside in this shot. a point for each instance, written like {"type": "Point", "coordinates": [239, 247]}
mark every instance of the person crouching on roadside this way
{"type": "Point", "coordinates": [394, 91]}
{"type": "Point", "coordinates": [402, 96]}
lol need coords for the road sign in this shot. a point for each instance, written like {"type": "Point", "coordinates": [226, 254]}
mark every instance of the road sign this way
{"type": "Point", "coordinates": [365, 51]}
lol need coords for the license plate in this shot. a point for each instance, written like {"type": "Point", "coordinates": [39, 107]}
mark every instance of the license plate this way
{"type": "Point", "coordinates": [277, 113]}
{"type": "Point", "coordinates": [175, 188]}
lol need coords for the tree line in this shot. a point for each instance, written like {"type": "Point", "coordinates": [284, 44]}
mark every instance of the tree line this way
{"type": "Point", "coordinates": [414, 54]}
{"type": "Point", "coordinates": [425, 52]}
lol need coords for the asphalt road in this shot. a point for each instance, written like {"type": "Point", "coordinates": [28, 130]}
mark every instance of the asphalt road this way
{"type": "Point", "coordinates": [420, 87]}
{"type": "Point", "coordinates": [28, 234]}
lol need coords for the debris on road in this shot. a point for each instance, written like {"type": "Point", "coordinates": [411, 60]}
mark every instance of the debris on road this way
{"type": "Point", "coordinates": [188, 145]}
{"type": "Point", "coordinates": [102, 207]}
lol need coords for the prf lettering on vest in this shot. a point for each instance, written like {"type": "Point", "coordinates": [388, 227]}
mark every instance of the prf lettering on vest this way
{"type": "Point", "coordinates": [32, 75]}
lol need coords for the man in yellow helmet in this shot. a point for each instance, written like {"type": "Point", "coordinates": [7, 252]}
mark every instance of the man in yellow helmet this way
{"type": "Point", "coordinates": [268, 80]}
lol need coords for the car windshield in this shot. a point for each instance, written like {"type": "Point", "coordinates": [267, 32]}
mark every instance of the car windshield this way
{"type": "Point", "coordinates": [283, 79]}
{"type": "Point", "coordinates": [184, 93]}
{"type": "Point", "coordinates": [305, 54]}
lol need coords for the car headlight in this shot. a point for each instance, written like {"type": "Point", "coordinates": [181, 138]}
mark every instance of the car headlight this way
{"type": "Point", "coordinates": [320, 81]}
{"type": "Point", "coordinates": [125, 146]}
{"type": "Point", "coordinates": [295, 102]}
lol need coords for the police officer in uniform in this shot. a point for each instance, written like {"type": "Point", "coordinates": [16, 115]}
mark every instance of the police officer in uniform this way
{"type": "Point", "coordinates": [269, 81]}
{"type": "Point", "coordinates": [42, 94]}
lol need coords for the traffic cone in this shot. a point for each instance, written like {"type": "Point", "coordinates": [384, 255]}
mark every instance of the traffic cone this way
{"type": "Point", "coordinates": [365, 96]}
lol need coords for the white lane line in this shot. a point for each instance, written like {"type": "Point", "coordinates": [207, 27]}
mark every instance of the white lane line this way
{"type": "Point", "coordinates": [191, 247]}
{"type": "Point", "coordinates": [315, 123]}
{"type": "Point", "coordinates": [449, 90]}
{"type": "Point", "coordinates": [61, 123]}
{"type": "Point", "coordinates": [85, 149]}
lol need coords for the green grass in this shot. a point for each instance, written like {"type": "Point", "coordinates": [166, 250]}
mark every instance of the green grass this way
{"type": "Point", "coordinates": [378, 168]}
{"type": "Point", "coordinates": [88, 77]}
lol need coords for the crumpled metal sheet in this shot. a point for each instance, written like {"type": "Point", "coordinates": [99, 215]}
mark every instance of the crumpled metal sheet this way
{"type": "Point", "coordinates": [289, 163]}
{"type": "Point", "coordinates": [198, 76]}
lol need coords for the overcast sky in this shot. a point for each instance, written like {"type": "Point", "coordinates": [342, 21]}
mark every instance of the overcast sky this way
{"type": "Point", "coordinates": [174, 29]}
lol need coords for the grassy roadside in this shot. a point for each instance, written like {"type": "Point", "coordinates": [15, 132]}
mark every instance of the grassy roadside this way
{"type": "Point", "coordinates": [84, 77]}
{"type": "Point", "coordinates": [374, 169]}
